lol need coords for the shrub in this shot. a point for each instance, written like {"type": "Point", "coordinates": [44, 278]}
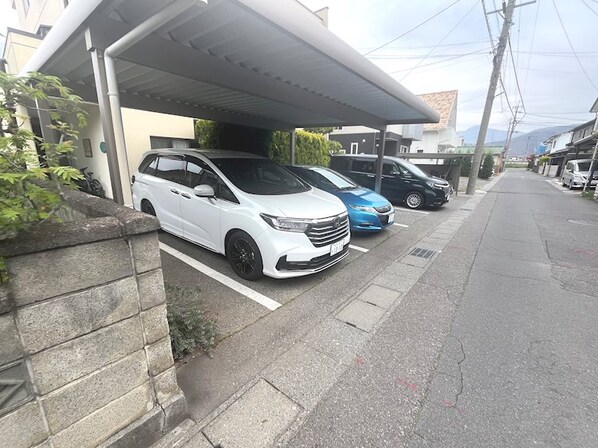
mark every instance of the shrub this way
{"type": "Point", "coordinates": [25, 200]}
{"type": "Point", "coordinates": [487, 167]}
{"type": "Point", "coordinates": [190, 328]}
{"type": "Point", "coordinates": [310, 148]}
{"type": "Point", "coordinates": [466, 166]}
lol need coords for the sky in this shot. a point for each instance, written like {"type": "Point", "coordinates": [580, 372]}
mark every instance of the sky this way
{"type": "Point", "coordinates": [452, 50]}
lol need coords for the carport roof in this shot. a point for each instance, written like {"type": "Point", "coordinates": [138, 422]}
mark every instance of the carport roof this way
{"type": "Point", "coordinates": [261, 63]}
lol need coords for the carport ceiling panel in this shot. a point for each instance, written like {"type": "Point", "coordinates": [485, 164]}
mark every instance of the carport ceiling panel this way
{"type": "Point", "coordinates": [229, 33]}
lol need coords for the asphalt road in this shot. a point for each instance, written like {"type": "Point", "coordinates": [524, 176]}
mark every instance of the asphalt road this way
{"type": "Point", "coordinates": [495, 346]}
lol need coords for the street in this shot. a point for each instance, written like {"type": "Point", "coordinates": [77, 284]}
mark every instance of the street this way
{"type": "Point", "coordinates": [502, 352]}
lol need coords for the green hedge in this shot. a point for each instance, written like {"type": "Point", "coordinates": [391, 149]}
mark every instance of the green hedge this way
{"type": "Point", "coordinates": [310, 148]}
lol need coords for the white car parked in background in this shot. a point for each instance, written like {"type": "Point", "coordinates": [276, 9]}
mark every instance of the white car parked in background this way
{"type": "Point", "coordinates": [576, 173]}
{"type": "Point", "coordinates": [248, 208]}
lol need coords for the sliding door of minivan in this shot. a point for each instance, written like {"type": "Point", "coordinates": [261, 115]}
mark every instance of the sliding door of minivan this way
{"type": "Point", "coordinates": [164, 185]}
{"type": "Point", "coordinates": [201, 216]}
{"type": "Point", "coordinates": [364, 172]}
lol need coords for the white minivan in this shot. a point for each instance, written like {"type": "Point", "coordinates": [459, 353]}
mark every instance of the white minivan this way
{"type": "Point", "coordinates": [576, 174]}
{"type": "Point", "coordinates": [258, 214]}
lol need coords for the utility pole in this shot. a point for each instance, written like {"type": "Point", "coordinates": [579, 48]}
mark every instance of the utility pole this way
{"type": "Point", "coordinates": [512, 123]}
{"type": "Point", "coordinates": [497, 62]}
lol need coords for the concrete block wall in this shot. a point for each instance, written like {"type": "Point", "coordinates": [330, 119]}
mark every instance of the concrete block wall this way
{"type": "Point", "coordinates": [85, 357]}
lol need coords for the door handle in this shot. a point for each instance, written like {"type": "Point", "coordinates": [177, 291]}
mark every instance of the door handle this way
{"type": "Point", "coordinates": [174, 190]}
{"type": "Point", "coordinates": [185, 195]}
{"type": "Point", "coordinates": [370, 175]}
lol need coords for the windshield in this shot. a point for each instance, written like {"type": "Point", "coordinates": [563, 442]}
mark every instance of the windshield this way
{"type": "Point", "coordinates": [260, 176]}
{"type": "Point", "coordinates": [583, 166]}
{"type": "Point", "coordinates": [414, 168]}
{"type": "Point", "coordinates": [330, 180]}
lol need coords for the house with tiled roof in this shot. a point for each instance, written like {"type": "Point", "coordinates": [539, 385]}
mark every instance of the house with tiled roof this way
{"type": "Point", "coordinates": [440, 137]}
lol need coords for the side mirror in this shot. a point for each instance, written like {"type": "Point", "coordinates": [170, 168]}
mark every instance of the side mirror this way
{"type": "Point", "coordinates": [204, 191]}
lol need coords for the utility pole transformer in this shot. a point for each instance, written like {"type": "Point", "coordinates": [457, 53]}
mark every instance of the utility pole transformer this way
{"type": "Point", "coordinates": [497, 62]}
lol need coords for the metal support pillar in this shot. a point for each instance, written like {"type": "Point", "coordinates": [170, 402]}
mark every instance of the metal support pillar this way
{"type": "Point", "coordinates": [48, 134]}
{"type": "Point", "coordinates": [99, 73]}
{"type": "Point", "coordinates": [293, 141]}
{"type": "Point", "coordinates": [380, 160]}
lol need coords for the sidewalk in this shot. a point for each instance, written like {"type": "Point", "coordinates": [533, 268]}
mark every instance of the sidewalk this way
{"type": "Point", "coordinates": [268, 408]}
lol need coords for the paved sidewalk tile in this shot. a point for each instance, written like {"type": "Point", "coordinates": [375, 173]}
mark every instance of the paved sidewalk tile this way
{"type": "Point", "coordinates": [304, 374]}
{"type": "Point", "coordinates": [363, 315]}
{"type": "Point", "coordinates": [256, 419]}
{"type": "Point", "coordinates": [337, 339]}
{"type": "Point", "coordinates": [379, 296]}
{"type": "Point", "coordinates": [198, 441]}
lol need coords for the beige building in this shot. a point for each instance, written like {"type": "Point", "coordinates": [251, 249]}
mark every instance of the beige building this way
{"type": "Point", "coordinates": [143, 130]}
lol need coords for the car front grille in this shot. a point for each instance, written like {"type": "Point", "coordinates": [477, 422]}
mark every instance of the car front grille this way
{"type": "Point", "coordinates": [383, 209]}
{"type": "Point", "coordinates": [328, 231]}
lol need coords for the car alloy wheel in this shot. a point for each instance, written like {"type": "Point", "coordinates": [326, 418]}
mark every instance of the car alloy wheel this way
{"type": "Point", "coordinates": [414, 200]}
{"type": "Point", "coordinates": [244, 256]}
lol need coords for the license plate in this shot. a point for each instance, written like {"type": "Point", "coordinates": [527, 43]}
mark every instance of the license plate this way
{"type": "Point", "coordinates": [335, 248]}
{"type": "Point", "coordinates": [391, 218]}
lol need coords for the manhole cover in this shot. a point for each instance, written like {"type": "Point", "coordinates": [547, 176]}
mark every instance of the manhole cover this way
{"type": "Point", "coordinates": [583, 222]}
{"type": "Point", "coordinates": [422, 253]}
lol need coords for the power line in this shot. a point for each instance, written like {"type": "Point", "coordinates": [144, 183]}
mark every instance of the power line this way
{"type": "Point", "coordinates": [531, 48]}
{"type": "Point", "coordinates": [477, 52]}
{"type": "Point", "coordinates": [589, 7]}
{"type": "Point", "coordinates": [516, 77]}
{"type": "Point", "coordinates": [442, 40]}
{"type": "Point", "coordinates": [421, 47]}
{"type": "Point", "coordinates": [413, 29]}
{"type": "Point", "coordinates": [571, 45]}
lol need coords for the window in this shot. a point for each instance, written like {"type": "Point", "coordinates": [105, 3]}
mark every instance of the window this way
{"type": "Point", "coordinates": [169, 142]}
{"type": "Point", "coordinates": [149, 165]}
{"type": "Point", "coordinates": [43, 30]}
{"type": "Point", "coordinates": [260, 176]}
{"type": "Point", "coordinates": [354, 148]}
{"type": "Point", "coordinates": [225, 193]}
{"type": "Point", "coordinates": [171, 168]}
{"type": "Point", "coordinates": [194, 171]}
{"type": "Point", "coordinates": [389, 169]}
{"type": "Point", "coordinates": [363, 166]}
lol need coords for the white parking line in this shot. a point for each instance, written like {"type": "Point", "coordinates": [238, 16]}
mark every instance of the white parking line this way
{"type": "Point", "coordinates": [400, 225]}
{"type": "Point", "coordinates": [227, 281]}
{"type": "Point", "coordinates": [409, 210]}
{"type": "Point", "coordinates": [360, 249]}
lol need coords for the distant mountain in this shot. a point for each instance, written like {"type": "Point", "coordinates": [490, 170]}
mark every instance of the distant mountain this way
{"type": "Point", "coordinates": [523, 144]}
{"type": "Point", "coordinates": [470, 136]}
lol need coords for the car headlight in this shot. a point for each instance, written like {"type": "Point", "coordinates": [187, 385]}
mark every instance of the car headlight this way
{"type": "Point", "coordinates": [287, 224]}
{"type": "Point", "coordinates": [435, 185]}
{"type": "Point", "coordinates": [362, 208]}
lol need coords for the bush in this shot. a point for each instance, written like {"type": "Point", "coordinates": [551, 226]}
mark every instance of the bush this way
{"type": "Point", "coordinates": [465, 166]}
{"type": "Point", "coordinates": [25, 200]}
{"type": "Point", "coordinates": [310, 148]}
{"type": "Point", "coordinates": [487, 167]}
{"type": "Point", "coordinates": [190, 328]}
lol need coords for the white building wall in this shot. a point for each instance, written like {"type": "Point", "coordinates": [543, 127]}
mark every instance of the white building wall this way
{"type": "Point", "coordinates": [561, 141]}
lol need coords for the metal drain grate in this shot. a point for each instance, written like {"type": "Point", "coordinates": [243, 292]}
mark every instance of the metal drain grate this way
{"type": "Point", "coordinates": [467, 209]}
{"type": "Point", "coordinates": [422, 253]}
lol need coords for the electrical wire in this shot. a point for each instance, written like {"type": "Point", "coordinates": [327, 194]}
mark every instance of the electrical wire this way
{"type": "Point", "coordinates": [571, 45]}
{"type": "Point", "coordinates": [516, 77]}
{"type": "Point", "coordinates": [478, 52]}
{"type": "Point", "coordinates": [531, 48]}
{"type": "Point", "coordinates": [412, 29]}
{"type": "Point", "coordinates": [442, 40]}
{"type": "Point", "coordinates": [589, 7]}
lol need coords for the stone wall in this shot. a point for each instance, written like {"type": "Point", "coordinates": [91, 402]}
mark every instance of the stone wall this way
{"type": "Point", "coordinates": [85, 357]}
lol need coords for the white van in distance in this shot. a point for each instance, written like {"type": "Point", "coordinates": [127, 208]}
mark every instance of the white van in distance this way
{"type": "Point", "coordinates": [258, 214]}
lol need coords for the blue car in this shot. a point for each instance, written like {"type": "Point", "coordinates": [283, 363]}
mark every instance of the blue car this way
{"type": "Point", "coordinates": [368, 211]}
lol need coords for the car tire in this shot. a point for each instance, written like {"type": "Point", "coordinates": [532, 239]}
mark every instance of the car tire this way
{"type": "Point", "coordinates": [147, 207]}
{"type": "Point", "coordinates": [414, 200]}
{"type": "Point", "coordinates": [244, 256]}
